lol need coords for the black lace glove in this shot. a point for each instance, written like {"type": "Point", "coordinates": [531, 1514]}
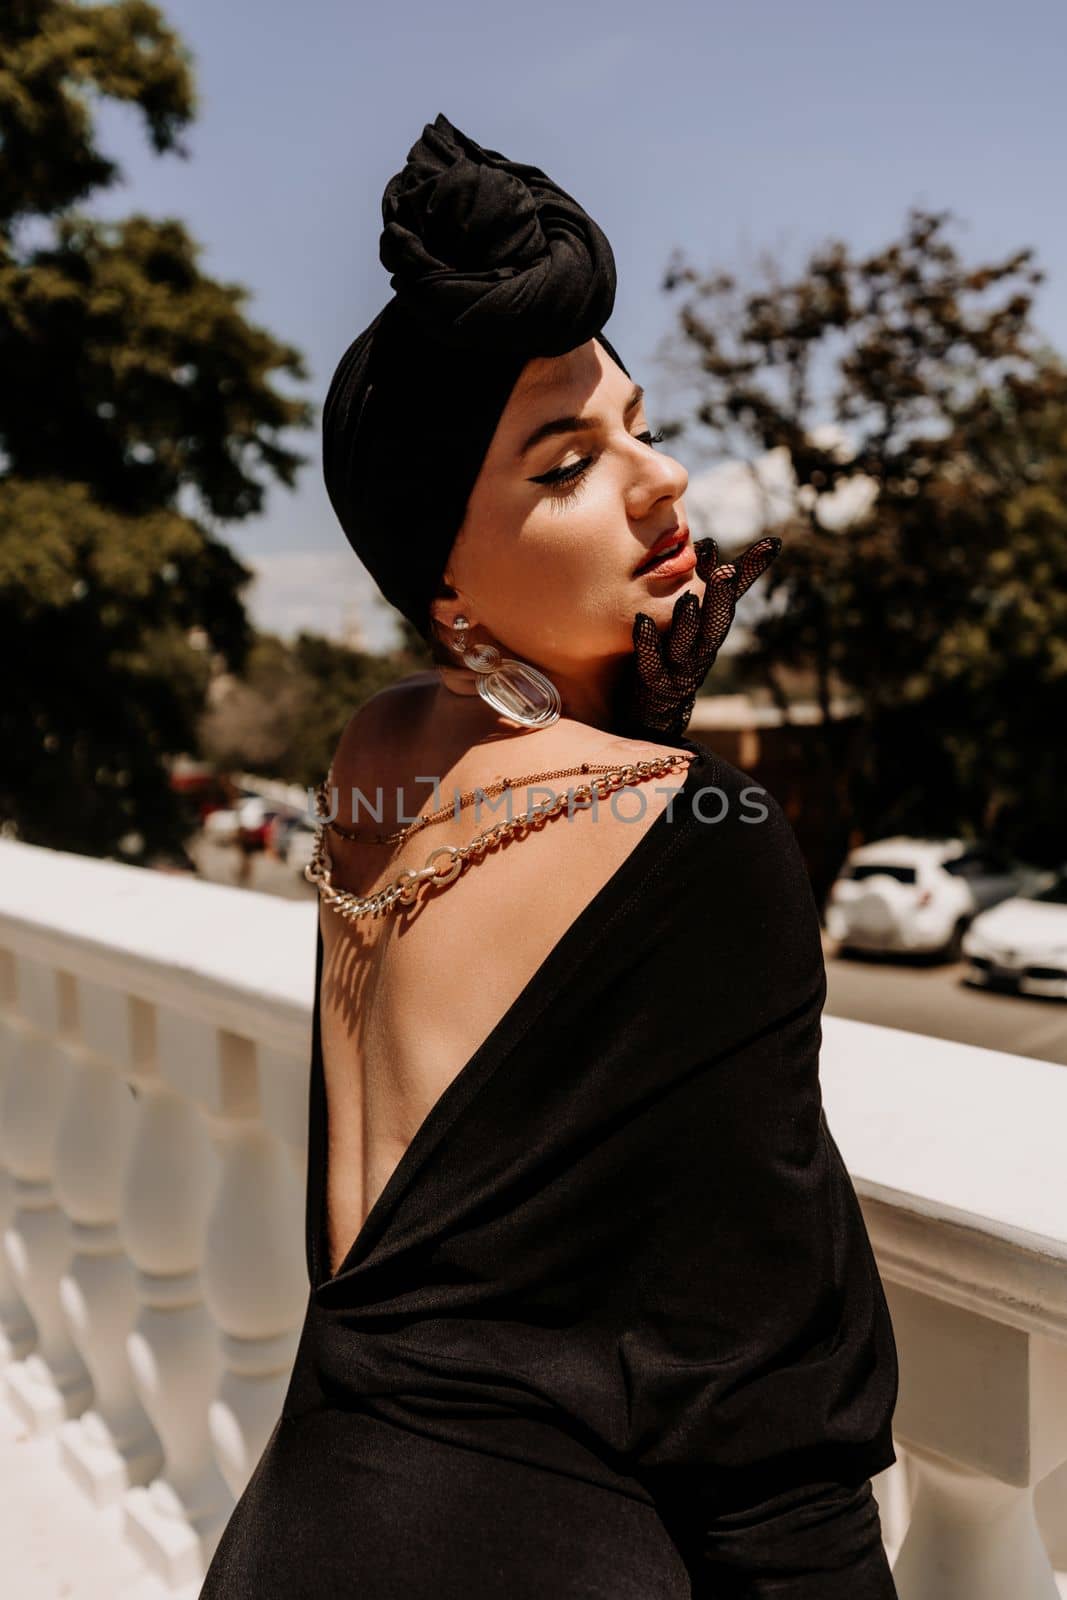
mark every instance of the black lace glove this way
{"type": "Point", "coordinates": [666, 670]}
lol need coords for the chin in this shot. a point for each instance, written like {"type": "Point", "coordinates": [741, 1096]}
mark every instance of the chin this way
{"type": "Point", "coordinates": [670, 591]}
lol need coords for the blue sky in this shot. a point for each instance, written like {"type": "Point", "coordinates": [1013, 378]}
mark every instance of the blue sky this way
{"type": "Point", "coordinates": [721, 128]}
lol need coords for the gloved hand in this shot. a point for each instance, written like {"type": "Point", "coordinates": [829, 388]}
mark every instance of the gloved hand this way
{"type": "Point", "coordinates": [666, 670]}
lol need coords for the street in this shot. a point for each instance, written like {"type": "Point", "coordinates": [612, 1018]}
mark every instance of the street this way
{"type": "Point", "coordinates": [220, 863]}
{"type": "Point", "coordinates": [934, 1000]}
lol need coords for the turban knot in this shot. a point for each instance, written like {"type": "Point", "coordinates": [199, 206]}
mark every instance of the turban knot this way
{"type": "Point", "coordinates": [487, 253]}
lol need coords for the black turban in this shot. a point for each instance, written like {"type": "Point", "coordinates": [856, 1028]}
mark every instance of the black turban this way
{"type": "Point", "coordinates": [491, 265]}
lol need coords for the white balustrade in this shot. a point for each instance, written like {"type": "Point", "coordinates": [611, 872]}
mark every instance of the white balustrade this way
{"type": "Point", "coordinates": [958, 1157]}
{"type": "Point", "coordinates": [154, 1045]}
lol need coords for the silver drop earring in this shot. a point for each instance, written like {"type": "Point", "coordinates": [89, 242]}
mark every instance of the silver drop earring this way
{"type": "Point", "coordinates": [513, 688]}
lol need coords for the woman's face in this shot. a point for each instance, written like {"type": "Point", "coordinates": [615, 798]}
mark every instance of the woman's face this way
{"type": "Point", "coordinates": [570, 499]}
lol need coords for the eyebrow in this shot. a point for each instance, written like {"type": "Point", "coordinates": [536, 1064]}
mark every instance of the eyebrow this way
{"type": "Point", "coordinates": [576, 424]}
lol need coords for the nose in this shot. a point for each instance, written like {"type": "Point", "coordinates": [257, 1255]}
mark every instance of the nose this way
{"type": "Point", "coordinates": [658, 477]}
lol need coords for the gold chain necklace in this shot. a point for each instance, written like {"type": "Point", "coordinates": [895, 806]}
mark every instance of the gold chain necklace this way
{"type": "Point", "coordinates": [471, 795]}
{"type": "Point", "coordinates": [403, 889]}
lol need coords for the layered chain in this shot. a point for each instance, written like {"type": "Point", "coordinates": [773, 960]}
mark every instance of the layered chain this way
{"type": "Point", "coordinates": [443, 865]}
{"type": "Point", "coordinates": [483, 791]}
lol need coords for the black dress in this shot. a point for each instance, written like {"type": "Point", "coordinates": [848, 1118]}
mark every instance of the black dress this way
{"type": "Point", "coordinates": [614, 1327]}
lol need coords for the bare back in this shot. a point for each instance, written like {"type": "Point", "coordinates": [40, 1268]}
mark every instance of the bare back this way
{"type": "Point", "coordinates": [407, 998]}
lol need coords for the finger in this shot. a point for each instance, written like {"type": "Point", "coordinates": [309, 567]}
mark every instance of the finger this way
{"type": "Point", "coordinates": [707, 554]}
{"type": "Point", "coordinates": [685, 624]}
{"type": "Point", "coordinates": [760, 554]}
{"type": "Point", "coordinates": [755, 561]}
{"type": "Point", "coordinates": [717, 613]}
{"type": "Point", "coordinates": [648, 651]}
{"type": "Point", "coordinates": [643, 626]}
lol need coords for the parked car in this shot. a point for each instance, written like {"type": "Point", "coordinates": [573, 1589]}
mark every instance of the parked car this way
{"type": "Point", "coordinates": [247, 822]}
{"type": "Point", "coordinates": [220, 825]}
{"type": "Point", "coordinates": [1022, 943]}
{"type": "Point", "coordinates": [908, 895]}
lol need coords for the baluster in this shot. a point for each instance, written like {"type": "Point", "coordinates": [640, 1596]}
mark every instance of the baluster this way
{"type": "Point", "coordinates": [892, 1490]}
{"type": "Point", "coordinates": [982, 1411]}
{"type": "Point", "coordinates": [51, 1382]}
{"type": "Point", "coordinates": [1050, 1506]}
{"type": "Point", "coordinates": [255, 1277]}
{"type": "Point", "coordinates": [111, 1446]}
{"type": "Point", "coordinates": [17, 1333]}
{"type": "Point", "coordinates": [971, 1537]}
{"type": "Point", "coordinates": [168, 1187]}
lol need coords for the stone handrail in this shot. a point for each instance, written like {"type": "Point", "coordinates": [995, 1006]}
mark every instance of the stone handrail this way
{"type": "Point", "coordinates": [154, 1046]}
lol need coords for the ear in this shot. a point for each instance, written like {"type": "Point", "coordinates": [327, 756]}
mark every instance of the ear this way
{"type": "Point", "coordinates": [442, 612]}
{"type": "Point", "coordinates": [446, 605]}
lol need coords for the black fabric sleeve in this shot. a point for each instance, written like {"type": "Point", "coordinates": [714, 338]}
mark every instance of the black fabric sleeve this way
{"type": "Point", "coordinates": [764, 1374]}
{"type": "Point", "coordinates": [819, 1541]}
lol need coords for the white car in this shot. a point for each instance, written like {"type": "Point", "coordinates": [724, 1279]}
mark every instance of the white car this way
{"type": "Point", "coordinates": [221, 825]}
{"type": "Point", "coordinates": [908, 895]}
{"type": "Point", "coordinates": [1022, 943]}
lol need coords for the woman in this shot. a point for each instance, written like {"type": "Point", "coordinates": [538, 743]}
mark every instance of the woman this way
{"type": "Point", "coordinates": [592, 1307]}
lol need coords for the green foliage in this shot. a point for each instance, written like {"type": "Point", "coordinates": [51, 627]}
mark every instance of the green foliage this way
{"type": "Point", "coordinates": [125, 368]}
{"type": "Point", "coordinates": [915, 386]}
{"type": "Point", "coordinates": [107, 626]}
{"type": "Point", "coordinates": [138, 407]}
{"type": "Point", "coordinates": [54, 54]}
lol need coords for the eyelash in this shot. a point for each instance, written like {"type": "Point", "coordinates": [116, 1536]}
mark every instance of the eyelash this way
{"type": "Point", "coordinates": [564, 482]}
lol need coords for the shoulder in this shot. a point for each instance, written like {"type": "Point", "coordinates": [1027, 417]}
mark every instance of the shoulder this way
{"type": "Point", "coordinates": [623, 751]}
{"type": "Point", "coordinates": [417, 686]}
{"type": "Point", "coordinates": [710, 774]}
{"type": "Point", "coordinates": [744, 837]}
{"type": "Point", "coordinates": [623, 748]}
{"type": "Point", "coordinates": [372, 723]}
{"type": "Point", "coordinates": [427, 679]}
{"type": "Point", "coordinates": [738, 871]}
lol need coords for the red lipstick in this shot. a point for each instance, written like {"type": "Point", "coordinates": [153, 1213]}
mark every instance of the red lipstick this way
{"type": "Point", "coordinates": [657, 563]}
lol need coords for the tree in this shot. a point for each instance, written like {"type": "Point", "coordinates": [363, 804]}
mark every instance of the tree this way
{"type": "Point", "coordinates": [916, 387]}
{"type": "Point", "coordinates": [286, 709]}
{"type": "Point", "coordinates": [138, 410]}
